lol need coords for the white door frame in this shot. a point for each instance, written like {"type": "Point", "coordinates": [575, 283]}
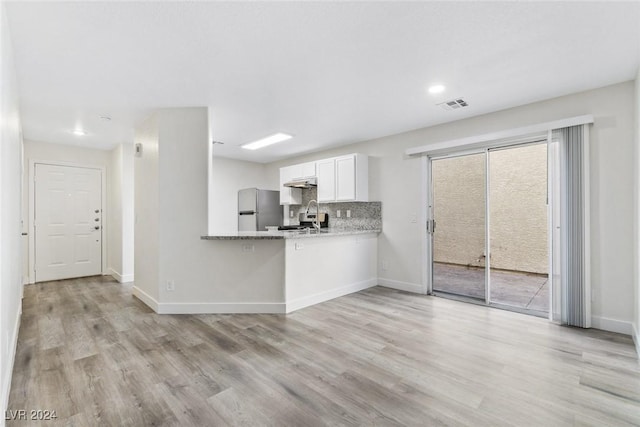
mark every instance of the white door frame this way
{"type": "Point", "coordinates": [32, 211]}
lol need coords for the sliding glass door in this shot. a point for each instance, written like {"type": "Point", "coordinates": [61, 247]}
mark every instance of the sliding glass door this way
{"type": "Point", "coordinates": [459, 211]}
{"type": "Point", "coordinates": [518, 228]}
{"type": "Point", "coordinates": [489, 234]}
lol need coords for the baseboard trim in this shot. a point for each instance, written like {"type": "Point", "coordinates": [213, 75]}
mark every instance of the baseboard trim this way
{"type": "Point", "coordinates": [612, 325]}
{"type": "Point", "coordinates": [636, 339]}
{"type": "Point", "coordinates": [221, 308]}
{"type": "Point", "coordinates": [303, 302]}
{"type": "Point", "coordinates": [401, 286]}
{"type": "Point", "coordinates": [6, 387]}
{"type": "Point", "coordinates": [121, 278]}
{"type": "Point", "coordinates": [145, 298]}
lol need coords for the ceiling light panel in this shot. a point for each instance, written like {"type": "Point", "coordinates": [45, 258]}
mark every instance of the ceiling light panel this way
{"type": "Point", "coordinates": [269, 140]}
{"type": "Point", "coordinates": [436, 89]}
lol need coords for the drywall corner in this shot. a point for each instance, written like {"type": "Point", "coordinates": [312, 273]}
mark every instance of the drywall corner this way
{"type": "Point", "coordinates": [146, 205]}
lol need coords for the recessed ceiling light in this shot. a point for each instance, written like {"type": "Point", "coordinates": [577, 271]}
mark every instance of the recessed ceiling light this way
{"type": "Point", "coordinates": [78, 132]}
{"type": "Point", "coordinates": [269, 140]}
{"type": "Point", "coordinates": [435, 89]}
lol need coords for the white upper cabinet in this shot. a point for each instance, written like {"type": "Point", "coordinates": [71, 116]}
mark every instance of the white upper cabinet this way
{"type": "Point", "coordinates": [308, 169]}
{"type": "Point", "coordinates": [302, 170]}
{"type": "Point", "coordinates": [326, 170]}
{"type": "Point", "coordinates": [290, 196]}
{"type": "Point", "coordinates": [346, 178]}
{"type": "Point", "coordinates": [340, 179]}
{"type": "Point", "coordinates": [343, 179]}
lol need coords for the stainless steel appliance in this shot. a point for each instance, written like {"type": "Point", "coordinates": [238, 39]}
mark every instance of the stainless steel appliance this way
{"type": "Point", "coordinates": [310, 182]}
{"type": "Point", "coordinates": [258, 209]}
{"type": "Point", "coordinates": [306, 221]}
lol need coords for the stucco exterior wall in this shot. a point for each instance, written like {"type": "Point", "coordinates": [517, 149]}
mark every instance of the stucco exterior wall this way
{"type": "Point", "coordinates": [518, 209]}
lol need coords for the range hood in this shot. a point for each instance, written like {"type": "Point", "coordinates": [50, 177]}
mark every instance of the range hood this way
{"type": "Point", "coordinates": [310, 182]}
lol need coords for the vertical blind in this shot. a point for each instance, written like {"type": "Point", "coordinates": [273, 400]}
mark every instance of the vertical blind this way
{"type": "Point", "coordinates": [574, 287]}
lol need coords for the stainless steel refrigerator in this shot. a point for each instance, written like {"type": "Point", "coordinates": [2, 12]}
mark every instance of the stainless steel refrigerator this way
{"type": "Point", "coordinates": [258, 209]}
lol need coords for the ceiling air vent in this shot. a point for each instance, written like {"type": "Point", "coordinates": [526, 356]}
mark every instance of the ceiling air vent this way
{"type": "Point", "coordinates": [454, 104]}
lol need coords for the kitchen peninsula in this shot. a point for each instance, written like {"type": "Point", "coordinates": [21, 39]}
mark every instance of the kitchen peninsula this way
{"type": "Point", "coordinates": [179, 271]}
{"type": "Point", "coordinates": [310, 267]}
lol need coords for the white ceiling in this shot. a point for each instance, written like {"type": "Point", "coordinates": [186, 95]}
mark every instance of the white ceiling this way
{"type": "Point", "coordinates": [328, 73]}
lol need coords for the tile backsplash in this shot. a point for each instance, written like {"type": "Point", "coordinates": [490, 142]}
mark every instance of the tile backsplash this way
{"type": "Point", "coordinates": [364, 215]}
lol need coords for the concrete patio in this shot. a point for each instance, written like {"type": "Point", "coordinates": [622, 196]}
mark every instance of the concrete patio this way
{"type": "Point", "coordinates": [522, 290]}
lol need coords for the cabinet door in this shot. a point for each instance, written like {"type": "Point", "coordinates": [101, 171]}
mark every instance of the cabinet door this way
{"type": "Point", "coordinates": [308, 169]}
{"type": "Point", "coordinates": [289, 196]}
{"type": "Point", "coordinates": [345, 178]}
{"type": "Point", "coordinates": [284, 191]}
{"type": "Point", "coordinates": [326, 172]}
{"type": "Point", "coordinates": [295, 171]}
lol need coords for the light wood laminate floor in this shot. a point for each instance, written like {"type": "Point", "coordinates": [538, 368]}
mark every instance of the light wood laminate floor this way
{"type": "Point", "coordinates": [97, 356]}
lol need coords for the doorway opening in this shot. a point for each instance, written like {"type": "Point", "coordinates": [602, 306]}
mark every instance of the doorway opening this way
{"type": "Point", "coordinates": [491, 229]}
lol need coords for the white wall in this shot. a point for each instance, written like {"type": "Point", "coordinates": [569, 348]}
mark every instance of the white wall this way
{"type": "Point", "coordinates": [121, 214]}
{"type": "Point", "coordinates": [171, 196]}
{"type": "Point", "coordinates": [42, 151]}
{"type": "Point", "coordinates": [128, 213]}
{"type": "Point", "coordinates": [10, 215]}
{"type": "Point", "coordinates": [636, 222]}
{"type": "Point", "coordinates": [227, 177]}
{"type": "Point", "coordinates": [146, 188]}
{"type": "Point", "coordinates": [396, 181]}
{"type": "Point", "coordinates": [114, 220]}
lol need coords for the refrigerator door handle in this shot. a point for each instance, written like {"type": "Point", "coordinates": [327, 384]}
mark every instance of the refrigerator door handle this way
{"type": "Point", "coordinates": [246, 213]}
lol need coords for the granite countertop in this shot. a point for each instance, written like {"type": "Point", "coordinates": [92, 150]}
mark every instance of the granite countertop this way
{"type": "Point", "coordinates": [278, 235]}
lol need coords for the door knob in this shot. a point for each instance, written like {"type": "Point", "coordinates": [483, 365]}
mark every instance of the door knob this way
{"type": "Point", "coordinates": [97, 227]}
{"type": "Point", "coordinates": [97, 211]}
{"type": "Point", "coordinates": [96, 219]}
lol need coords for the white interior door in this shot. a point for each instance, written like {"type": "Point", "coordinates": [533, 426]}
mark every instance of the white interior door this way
{"type": "Point", "coordinates": [68, 222]}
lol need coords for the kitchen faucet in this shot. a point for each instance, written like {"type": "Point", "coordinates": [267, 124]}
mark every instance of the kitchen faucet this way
{"type": "Point", "coordinates": [316, 223]}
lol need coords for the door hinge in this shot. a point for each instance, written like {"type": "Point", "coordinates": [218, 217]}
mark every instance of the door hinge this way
{"type": "Point", "coordinates": [431, 226]}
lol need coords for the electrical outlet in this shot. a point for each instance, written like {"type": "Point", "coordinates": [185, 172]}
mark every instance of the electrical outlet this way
{"type": "Point", "coordinates": [299, 246]}
{"type": "Point", "coordinates": [385, 265]}
{"type": "Point", "coordinates": [171, 285]}
{"type": "Point", "coordinates": [338, 213]}
{"type": "Point", "coordinates": [290, 213]}
{"type": "Point", "coordinates": [348, 213]}
{"type": "Point", "coordinates": [248, 248]}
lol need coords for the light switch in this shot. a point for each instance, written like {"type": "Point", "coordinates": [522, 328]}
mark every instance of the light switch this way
{"type": "Point", "coordinates": [414, 217]}
{"type": "Point", "coordinates": [348, 213]}
{"type": "Point", "coordinates": [338, 213]}
{"type": "Point", "coordinates": [299, 246]}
